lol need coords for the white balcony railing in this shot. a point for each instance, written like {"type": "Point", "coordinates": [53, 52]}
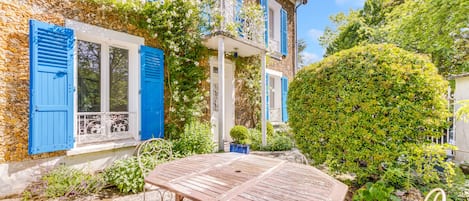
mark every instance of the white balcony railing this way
{"type": "Point", "coordinates": [245, 21]}
{"type": "Point", "coordinates": [103, 126]}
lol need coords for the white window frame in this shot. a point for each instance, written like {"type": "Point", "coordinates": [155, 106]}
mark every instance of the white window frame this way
{"type": "Point", "coordinates": [107, 38]}
{"type": "Point", "coordinates": [276, 7]}
{"type": "Point", "coordinates": [277, 99]}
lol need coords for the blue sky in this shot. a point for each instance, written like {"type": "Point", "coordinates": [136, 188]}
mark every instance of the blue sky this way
{"type": "Point", "coordinates": [314, 17]}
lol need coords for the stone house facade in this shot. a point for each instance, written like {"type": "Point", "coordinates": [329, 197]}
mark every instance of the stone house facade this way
{"type": "Point", "coordinates": [19, 164]}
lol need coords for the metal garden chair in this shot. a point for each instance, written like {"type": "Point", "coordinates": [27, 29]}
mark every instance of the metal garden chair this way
{"type": "Point", "coordinates": [151, 153]}
{"type": "Point", "coordinates": [437, 192]}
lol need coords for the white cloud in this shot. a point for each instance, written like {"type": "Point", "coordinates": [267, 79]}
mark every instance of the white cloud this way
{"type": "Point", "coordinates": [315, 34]}
{"type": "Point", "coordinates": [349, 2]}
{"type": "Point", "coordinates": [309, 58]}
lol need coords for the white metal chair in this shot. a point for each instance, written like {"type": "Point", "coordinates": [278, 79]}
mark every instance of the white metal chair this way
{"type": "Point", "coordinates": [149, 154]}
{"type": "Point", "coordinates": [437, 192]}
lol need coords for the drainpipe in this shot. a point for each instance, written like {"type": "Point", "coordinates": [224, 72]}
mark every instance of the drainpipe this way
{"type": "Point", "coordinates": [295, 57]}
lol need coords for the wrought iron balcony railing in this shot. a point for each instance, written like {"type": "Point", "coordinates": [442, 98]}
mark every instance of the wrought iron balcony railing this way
{"type": "Point", "coordinates": [243, 21]}
{"type": "Point", "coordinates": [104, 126]}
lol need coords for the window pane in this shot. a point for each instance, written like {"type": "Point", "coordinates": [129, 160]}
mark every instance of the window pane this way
{"type": "Point", "coordinates": [272, 92]}
{"type": "Point", "coordinates": [89, 76]}
{"type": "Point", "coordinates": [119, 79]}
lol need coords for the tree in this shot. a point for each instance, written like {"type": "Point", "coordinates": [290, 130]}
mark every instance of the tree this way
{"type": "Point", "coordinates": [438, 28]}
{"type": "Point", "coordinates": [301, 49]}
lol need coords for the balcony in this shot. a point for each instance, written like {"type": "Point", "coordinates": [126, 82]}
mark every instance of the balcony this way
{"type": "Point", "coordinates": [242, 26]}
{"type": "Point", "coordinates": [95, 127]}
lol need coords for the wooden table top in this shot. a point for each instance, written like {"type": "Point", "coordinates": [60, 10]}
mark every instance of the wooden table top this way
{"type": "Point", "coordinates": [232, 176]}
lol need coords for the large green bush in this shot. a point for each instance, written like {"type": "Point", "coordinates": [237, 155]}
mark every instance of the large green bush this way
{"type": "Point", "coordinates": [358, 109]}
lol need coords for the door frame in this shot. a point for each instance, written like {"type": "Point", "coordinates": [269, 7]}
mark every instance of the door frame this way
{"type": "Point", "coordinates": [229, 100]}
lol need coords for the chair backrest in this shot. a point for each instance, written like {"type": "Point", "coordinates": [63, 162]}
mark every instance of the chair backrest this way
{"type": "Point", "coordinates": [437, 192]}
{"type": "Point", "coordinates": [153, 152]}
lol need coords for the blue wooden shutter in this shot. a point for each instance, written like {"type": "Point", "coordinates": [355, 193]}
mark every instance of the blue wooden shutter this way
{"type": "Point", "coordinates": [51, 87]}
{"type": "Point", "coordinates": [152, 92]}
{"type": "Point", "coordinates": [265, 6]}
{"type": "Point", "coordinates": [284, 98]}
{"type": "Point", "coordinates": [284, 32]}
{"type": "Point", "coordinates": [267, 100]}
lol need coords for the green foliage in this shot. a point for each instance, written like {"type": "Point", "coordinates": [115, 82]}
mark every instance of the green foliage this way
{"type": "Point", "coordinates": [427, 165]}
{"type": "Point", "coordinates": [280, 143]}
{"type": "Point", "coordinates": [64, 182]}
{"type": "Point", "coordinates": [436, 27]}
{"type": "Point", "coordinates": [275, 142]}
{"type": "Point", "coordinates": [270, 129]}
{"type": "Point", "coordinates": [460, 189]}
{"type": "Point", "coordinates": [255, 136]}
{"type": "Point", "coordinates": [176, 27]}
{"type": "Point", "coordinates": [126, 175]}
{"type": "Point", "coordinates": [196, 139]}
{"type": "Point", "coordinates": [432, 27]}
{"type": "Point", "coordinates": [248, 100]}
{"type": "Point", "coordinates": [397, 178]}
{"type": "Point", "coordinates": [240, 134]}
{"type": "Point", "coordinates": [359, 109]}
{"type": "Point", "coordinates": [375, 192]}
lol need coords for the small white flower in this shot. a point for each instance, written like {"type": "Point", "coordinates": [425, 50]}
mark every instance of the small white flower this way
{"type": "Point", "coordinates": [149, 20]}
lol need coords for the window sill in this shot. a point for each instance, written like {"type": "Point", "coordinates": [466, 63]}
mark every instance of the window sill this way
{"type": "Point", "coordinates": [276, 55]}
{"type": "Point", "coordinates": [103, 147]}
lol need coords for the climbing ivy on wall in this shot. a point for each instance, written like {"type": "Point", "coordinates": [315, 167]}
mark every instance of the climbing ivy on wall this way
{"type": "Point", "coordinates": [176, 26]}
{"type": "Point", "coordinates": [248, 87]}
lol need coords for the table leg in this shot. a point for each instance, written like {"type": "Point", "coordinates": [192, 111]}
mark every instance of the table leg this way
{"type": "Point", "coordinates": [179, 197]}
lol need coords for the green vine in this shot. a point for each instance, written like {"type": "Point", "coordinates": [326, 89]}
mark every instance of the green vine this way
{"type": "Point", "coordinates": [248, 87]}
{"type": "Point", "coordinates": [176, 25]}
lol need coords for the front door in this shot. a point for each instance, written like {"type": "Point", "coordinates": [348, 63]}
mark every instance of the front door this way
{"type": "Point", "coordinates": [229, 98]}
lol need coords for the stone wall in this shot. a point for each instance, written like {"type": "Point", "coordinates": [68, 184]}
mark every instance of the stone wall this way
{"type": "Point", "coordinates": [14, 61]}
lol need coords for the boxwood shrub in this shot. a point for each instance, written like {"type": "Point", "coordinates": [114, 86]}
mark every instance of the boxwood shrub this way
{"type": "Point", "coordinates": [359, 108]}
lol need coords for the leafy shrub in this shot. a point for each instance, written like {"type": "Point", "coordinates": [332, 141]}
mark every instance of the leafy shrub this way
{"type": "Point", "coordinates": [397, 178]}
{"type": "Point", "coordinates": [358, 109]}
{"type": "Point", "coordinates": [277, 142]}
{"type": "Point", "coordinates": [240, 134]}
{"type": "Point", "coordinates": [196, 139]}
{"type": "Point", "coordinates": [280, 143]}
{"type": "Point", "coordinates": [126, 175]}
{"type": "Point", "coordinates": [375, 192]}
{"type": "Point", "coordinates": [64, 181]}
{"type": "Point", "coordinates": [270, 129]}
{"type": "Point", "coordinates": [255, 137]}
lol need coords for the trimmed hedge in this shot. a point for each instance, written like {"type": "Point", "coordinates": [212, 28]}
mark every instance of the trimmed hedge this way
{"type": "Point", "coordinates": [358, 109]}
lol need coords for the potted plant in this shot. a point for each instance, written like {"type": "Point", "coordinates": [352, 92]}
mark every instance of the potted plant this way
{"type": "Point", "coordinates": [240, 136]}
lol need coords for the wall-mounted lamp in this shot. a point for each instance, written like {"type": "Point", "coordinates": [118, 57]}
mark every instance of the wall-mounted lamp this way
{"type": "Point", "coordinates": [235, 53]}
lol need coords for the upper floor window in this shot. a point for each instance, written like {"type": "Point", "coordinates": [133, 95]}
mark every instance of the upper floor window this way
{"type": "Point", "coordinates": [271, 23]}
{"type": "Point", "coordinates": [274, 26]}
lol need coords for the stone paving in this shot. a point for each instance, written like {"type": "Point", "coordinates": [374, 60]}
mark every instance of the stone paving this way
{"type": "Point", "coordinates": [154, 195]}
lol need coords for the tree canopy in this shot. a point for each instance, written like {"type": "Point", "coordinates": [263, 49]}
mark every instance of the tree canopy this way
{"type": "Point", "coordinates": [438, 28]}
